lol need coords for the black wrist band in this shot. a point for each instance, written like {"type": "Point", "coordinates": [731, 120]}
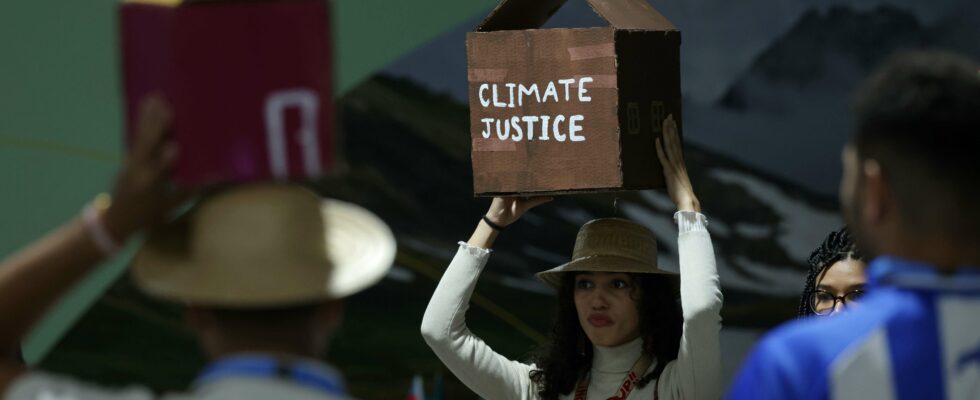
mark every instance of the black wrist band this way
{"type": "Point", "coordinates": [491, 224]}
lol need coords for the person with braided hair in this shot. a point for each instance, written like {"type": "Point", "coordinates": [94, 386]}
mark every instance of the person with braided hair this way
{"type": "Point", "coordinates": [836, 277]}
{"type": "Point", "coordinates": [909, 192]}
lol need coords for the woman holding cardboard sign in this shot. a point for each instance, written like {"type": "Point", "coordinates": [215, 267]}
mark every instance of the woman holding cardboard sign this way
{"type": "Point", "coordinates": [619, 333]}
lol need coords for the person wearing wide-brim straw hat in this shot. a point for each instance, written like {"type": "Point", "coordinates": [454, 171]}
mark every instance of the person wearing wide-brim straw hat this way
{"type": "Point", "coordinates": [620, 332]}
{"type": "Point", "coordinates": [611, 245]}
{"type": "Point", "coordinates": [262, 269]}
{"type": "Point", "coordinates": [265, 245]}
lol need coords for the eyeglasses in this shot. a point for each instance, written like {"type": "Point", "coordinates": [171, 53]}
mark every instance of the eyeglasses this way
{"type": "Point", "coordinates": [823, 302]}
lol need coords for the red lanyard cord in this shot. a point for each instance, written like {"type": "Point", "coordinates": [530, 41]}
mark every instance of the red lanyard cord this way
{"type": "Point", "coordinates": [629, 382]}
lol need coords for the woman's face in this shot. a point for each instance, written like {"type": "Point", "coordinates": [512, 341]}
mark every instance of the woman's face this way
{"type": "Point", "coordinates": [606, 306]}
{"type": "Point", "coordinates": [844, 278]}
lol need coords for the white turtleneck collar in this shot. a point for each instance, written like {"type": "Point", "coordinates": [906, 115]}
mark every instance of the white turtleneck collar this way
{"type": "Point", "coordinates": [618, 359]}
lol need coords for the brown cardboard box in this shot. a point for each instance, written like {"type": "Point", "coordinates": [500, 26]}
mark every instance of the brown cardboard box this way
{"type": "Point", "coordinates": [592, 99]}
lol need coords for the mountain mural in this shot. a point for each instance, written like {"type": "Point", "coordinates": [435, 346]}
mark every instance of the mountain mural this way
{"type": "Point", "coordinates": [787, 113]}
{"type": "Point", "coordinates": [764, 227]}
{"type": "Point", "coordinates": [831, 50]}
{"type": "Point", "coordinates": [406, 157]}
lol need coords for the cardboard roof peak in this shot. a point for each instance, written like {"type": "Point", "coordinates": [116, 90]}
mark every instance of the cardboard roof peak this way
{"type": "Point", "coordinates": [532, 14]}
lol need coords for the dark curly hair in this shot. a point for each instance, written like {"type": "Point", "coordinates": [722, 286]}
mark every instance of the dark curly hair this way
{"type": "Point", "coordinates": [838, 246]}
{"type": "Point", "coordinates": [568, 357]}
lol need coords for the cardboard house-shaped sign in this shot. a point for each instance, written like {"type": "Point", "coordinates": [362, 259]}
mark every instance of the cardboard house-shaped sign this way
{"type": "Point", "coordinates": [249, 82]}
{"type": "Point", "coordinates": [568, 110]}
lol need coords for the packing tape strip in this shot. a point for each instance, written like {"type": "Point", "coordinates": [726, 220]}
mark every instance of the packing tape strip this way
{"type": "Point", "coordinates": [599, 81]}
{"type": "Point", "coordinates": [493, 144]}
{"type": "Point", "coordinates": [592, 51]}
{"type": "Point", "coordinates": [486, 75]}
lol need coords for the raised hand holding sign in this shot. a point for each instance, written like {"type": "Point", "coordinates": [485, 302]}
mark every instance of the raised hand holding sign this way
{"type": "Point", "coordinates": [671, 157]}
{"type": "Point", "coordinates": [570, 110]}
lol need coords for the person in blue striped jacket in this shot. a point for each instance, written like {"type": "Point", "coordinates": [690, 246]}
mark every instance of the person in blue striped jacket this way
{"type": "Point", "coordinates": [910, 192]}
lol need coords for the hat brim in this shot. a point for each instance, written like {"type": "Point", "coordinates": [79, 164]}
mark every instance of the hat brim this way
{"type": "Point", "coordinates": [605, 263]}
{"type": "Point", "coordinates": [359, 245]}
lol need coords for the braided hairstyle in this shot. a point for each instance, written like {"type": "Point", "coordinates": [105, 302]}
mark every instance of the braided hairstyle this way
{"type": "Point", "coordinates": [838, 246]}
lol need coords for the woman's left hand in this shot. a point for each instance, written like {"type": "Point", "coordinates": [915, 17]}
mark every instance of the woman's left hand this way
{"type": "Point", "coordinates": [675, 171]}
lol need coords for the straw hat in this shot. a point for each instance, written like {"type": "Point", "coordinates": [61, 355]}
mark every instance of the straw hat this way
{"type": "Point", "coordinates": [265, 245]}
{"type": "Point", "coordinates": [611, 245]}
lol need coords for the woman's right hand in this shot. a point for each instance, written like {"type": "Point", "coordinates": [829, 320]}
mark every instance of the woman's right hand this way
{"type": "Point", "coordinates": [507, 210]}
{"type": "Point", "coordinates": [503, 211]}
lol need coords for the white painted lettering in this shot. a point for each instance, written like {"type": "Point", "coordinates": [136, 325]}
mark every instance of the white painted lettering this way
{"type": "Point", "coordinates": [486, 133]}
{"type": "Point", "coordinates": [567, 83]}
{"type": "Point", "coordinates": [496, 102]}
{"type": "Point", "coordinates": [516, 123]}
{"type": "Point", "coordinates": [308, 104]}
{"type": "Point", "coordinates": [550, 91]}
{"type": "Point", "coordinates": [574, 128]}
{"type": "Point", "coordinates": [544, 127]}
{"type": "Point", "coordinates": [484, 101]}
{"type": "Point", "coordinates": [530, 119]}
{"type": "Point", "coordinates": [558, 135]}
{"type": "Point", "coordinates": [582, 90]}
{"type": "Point", "coordinates": [523, 90]}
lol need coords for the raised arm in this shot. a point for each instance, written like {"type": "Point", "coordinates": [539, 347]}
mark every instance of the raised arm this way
{"type": "Point", "coordinates": [32, 279]}
{"type": "Point", "coordinates": [490, 375]}
{"type": "Point", "coordinates": [696, 373]}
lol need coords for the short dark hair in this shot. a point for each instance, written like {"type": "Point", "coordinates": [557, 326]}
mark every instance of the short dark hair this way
{"type": "Point", "coordinates": [919, 117]}
{"type": "Point", "coordinates": [838, 246]}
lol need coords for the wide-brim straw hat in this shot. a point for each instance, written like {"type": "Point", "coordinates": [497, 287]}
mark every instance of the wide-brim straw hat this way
{"type": "Point", "coordinates": [265, 245]}
{"type": "Point", "coordinates": [612, 245]}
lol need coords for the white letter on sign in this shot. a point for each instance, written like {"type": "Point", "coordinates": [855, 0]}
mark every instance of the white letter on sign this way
{"type": "Point", "coordinates": [582, 90]}
{"type": "Point", "coordinates": [484, 102]}
{"type": "Point", "coordinates": [567, 83]}
{"type": "Point", "coordinates": [558, 135]}
{"type": "Point", "coordinates": [308, 104]}
{"type": "Point", "coordinates": [574, 128]}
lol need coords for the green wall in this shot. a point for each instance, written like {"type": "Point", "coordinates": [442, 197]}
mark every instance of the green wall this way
{"type": "Point", "coordinates": [61, 122]}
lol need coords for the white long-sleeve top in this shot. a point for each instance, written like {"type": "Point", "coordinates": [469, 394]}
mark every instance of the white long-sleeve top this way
{"type": "Point", "coordinates": [695, 374]}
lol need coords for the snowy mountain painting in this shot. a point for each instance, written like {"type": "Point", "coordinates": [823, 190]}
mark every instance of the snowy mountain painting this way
{"type": "Point", "coordinates": [766, 84]}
